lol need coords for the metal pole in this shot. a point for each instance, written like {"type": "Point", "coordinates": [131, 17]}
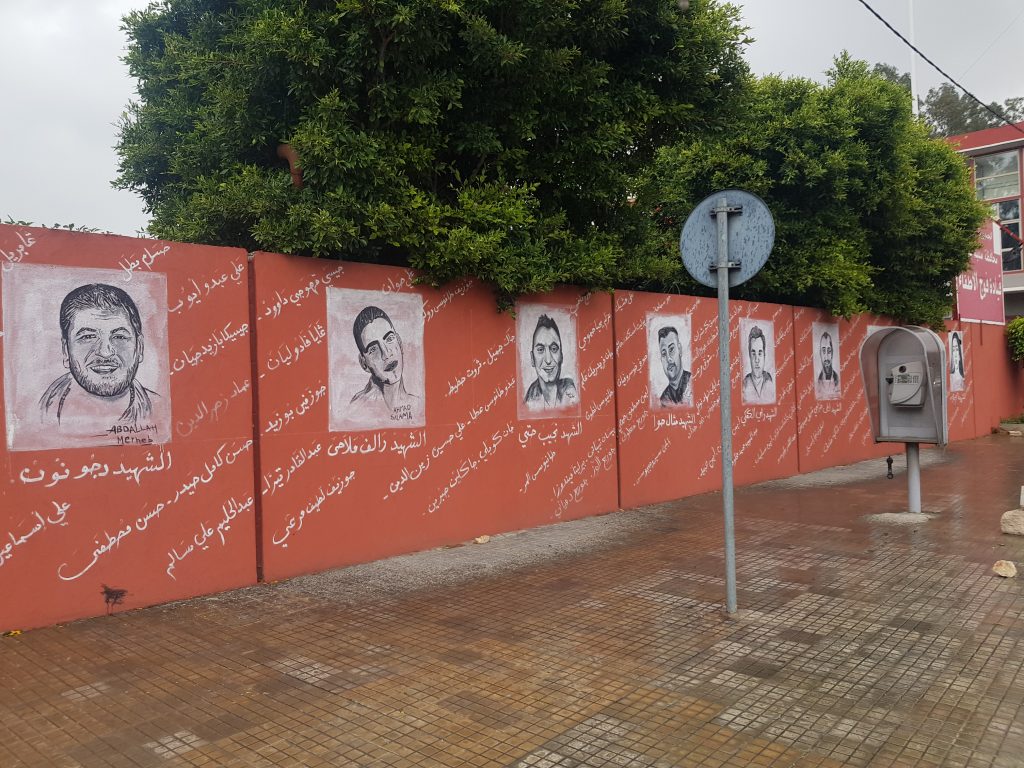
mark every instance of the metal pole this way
{"type": "Point", "coordinates": [725, 398]}
{"type": "Point", "coordinates": [913, 61]}
{"type": "Point", "coordinates": [914, 476]}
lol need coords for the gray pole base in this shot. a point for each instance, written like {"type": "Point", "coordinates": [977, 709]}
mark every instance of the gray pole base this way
{"type": "Point", "coordinates": [914, 476]}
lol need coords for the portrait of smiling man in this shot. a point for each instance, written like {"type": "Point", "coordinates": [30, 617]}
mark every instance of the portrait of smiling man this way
{"type": "Point", "coordinates": [85, 357]}
{"type": "Point", "coordinates": [550, 389]}
{"type": "Point", "coordinates": [547, 359]}
{"type": "Point", "coordinates": [103, 345]}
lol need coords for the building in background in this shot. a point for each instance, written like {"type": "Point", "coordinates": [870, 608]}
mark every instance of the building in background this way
{"type": "Point", "coordinates": [994, 156]}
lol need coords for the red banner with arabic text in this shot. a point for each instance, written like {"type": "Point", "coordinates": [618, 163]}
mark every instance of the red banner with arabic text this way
{"type": "Point", "coordinates": [979, 290]}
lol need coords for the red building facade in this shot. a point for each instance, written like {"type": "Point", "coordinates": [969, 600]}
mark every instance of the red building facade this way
{"type": "Point", "coordinates": [994, 156]}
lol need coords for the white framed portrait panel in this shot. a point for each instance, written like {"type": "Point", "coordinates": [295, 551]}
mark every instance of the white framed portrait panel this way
{"type": "Point", "coordinates": [85, 357]}
{"type": "Point", "coordinates": [826, 361]}
{"type": "Point", "coordinates": [547, 361]}
{"type": "Point", "coordinates": [757, 350]}
{"type": "Point", "coordinates": [376, 361]}
{"type": "Point", "coordinates": [957, 362]}
{"type": "Point", "coordinates": [669, 360]}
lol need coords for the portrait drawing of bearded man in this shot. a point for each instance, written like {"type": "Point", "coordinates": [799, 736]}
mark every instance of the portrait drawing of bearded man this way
{"type": "Point", "coordinates": [672, 362]}
{"type": "Point", "coordinates": [103, 345]}
{"type": "Point", "coordinates": [827, 382]}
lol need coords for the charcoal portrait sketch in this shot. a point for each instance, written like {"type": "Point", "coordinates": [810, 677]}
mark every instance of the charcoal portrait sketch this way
{"type": "Point", "coordinates": [669, 361]}
{"type": "Point", "coordinates": [757, 340]}
{"type": "Point", "coordinates": [85, 362]}
{"type": "Point", "coordinates": [825, 354]}
{"type": "Point", "coordinates": [375, 346]}
{"type": "Point", "coordinates": [102, 345]}
{"type": "Point", "coordinates": [956, 362]}
{"type": "Point", "coordinates": [547, 361]}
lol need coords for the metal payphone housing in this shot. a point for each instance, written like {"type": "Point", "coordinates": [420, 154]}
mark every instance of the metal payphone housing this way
{"type": "Point", "coordinates": [904, 372]}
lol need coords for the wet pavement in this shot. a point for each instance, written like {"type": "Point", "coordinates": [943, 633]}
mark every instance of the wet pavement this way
{"type": "Point", "coordinates": [595, 643]}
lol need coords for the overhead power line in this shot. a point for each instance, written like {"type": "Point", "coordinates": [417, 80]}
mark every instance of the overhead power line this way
{"type": "Point", "coordinates": [995, 40]}
{"type": "Point", "coordinates": [1003, 118]}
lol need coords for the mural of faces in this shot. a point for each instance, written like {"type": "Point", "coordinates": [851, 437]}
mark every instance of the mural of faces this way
{"type": "Point", "coordinates": [825, 338]}
{"type": "Point", "coordinates": [757, 339]}
{"type": "Point", "coordinates": [112, 392]}
{"type": "Point", "coordinates": [669, 361]}
{"type": "Point", "coordinates": [547, 361]}
{"type": "Point", "coordinates": [375, 346]}
{"type": "Point", "coordinates": [956, 362]}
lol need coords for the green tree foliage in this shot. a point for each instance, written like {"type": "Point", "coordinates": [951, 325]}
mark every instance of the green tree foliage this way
{"type": "Point", "coordinates": [871, 213]}
{"type": "Point", "coordinates": [1015, 339]}
{"type": "Point", "coordinates": [69, 227]}
{"type": "Point", "coordinates": [462, 137]}
{"type": "Point", "coordinates": [949, 111]}
{"type": "Point", "coordinates": [893, 75]}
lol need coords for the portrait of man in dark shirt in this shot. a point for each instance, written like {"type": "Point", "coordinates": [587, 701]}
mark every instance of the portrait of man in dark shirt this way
{"type": "Point", "coordinates": [671, 350]}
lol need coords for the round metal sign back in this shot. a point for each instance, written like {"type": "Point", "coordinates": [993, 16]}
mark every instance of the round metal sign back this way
{"type": "Point", "coordinates": [751, 236]}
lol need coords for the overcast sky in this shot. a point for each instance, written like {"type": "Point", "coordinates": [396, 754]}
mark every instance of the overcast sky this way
{"type": "Point", "coordinates": [64, 87]}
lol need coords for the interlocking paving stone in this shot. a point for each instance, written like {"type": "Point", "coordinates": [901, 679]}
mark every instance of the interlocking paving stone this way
{"type": "Point", "coordinates": [857, 644]}
{"type": "Point", "coordinates": [88, 691]}
{"type": "Point", "coordinates": [178, 743]}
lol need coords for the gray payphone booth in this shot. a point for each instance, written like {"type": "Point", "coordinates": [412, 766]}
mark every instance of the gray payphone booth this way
{"type": "Point", "coordinates": [904, 372]}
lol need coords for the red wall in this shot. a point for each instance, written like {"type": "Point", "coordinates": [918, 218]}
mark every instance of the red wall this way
{"type": "Point", "coordinates": [764, 437]}
{"type": "Point", "coordinates": [834, 432]}
{"type": "Point", "coordinates": [996, 382]}
{"type": "Point", "coordinates": [162, 520]}
{"type": "Point", "coordinates": [332, 498]}
{"type": "Point", "coordinates": [229, 478]}
{"type": "Point", "coordinates": [960, 405]}
{"type": "Point", "coordinates": [663, 453]}
{"type": "Point", "coordinates": [670, 452]}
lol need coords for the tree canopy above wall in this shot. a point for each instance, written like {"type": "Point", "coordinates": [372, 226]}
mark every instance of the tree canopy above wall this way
{"type": "Point", "coordinates": [950, 112]}
{"type": "Point", "coordinates": [871, 213]}
{"type": "Point", "coordinates": [530, 143]}
{"type": "Point", "coordinates": [483, 138]}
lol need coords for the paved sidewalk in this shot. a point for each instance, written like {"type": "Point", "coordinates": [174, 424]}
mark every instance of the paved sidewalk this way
{"type": "Point", "coordinates": [595, 643]}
